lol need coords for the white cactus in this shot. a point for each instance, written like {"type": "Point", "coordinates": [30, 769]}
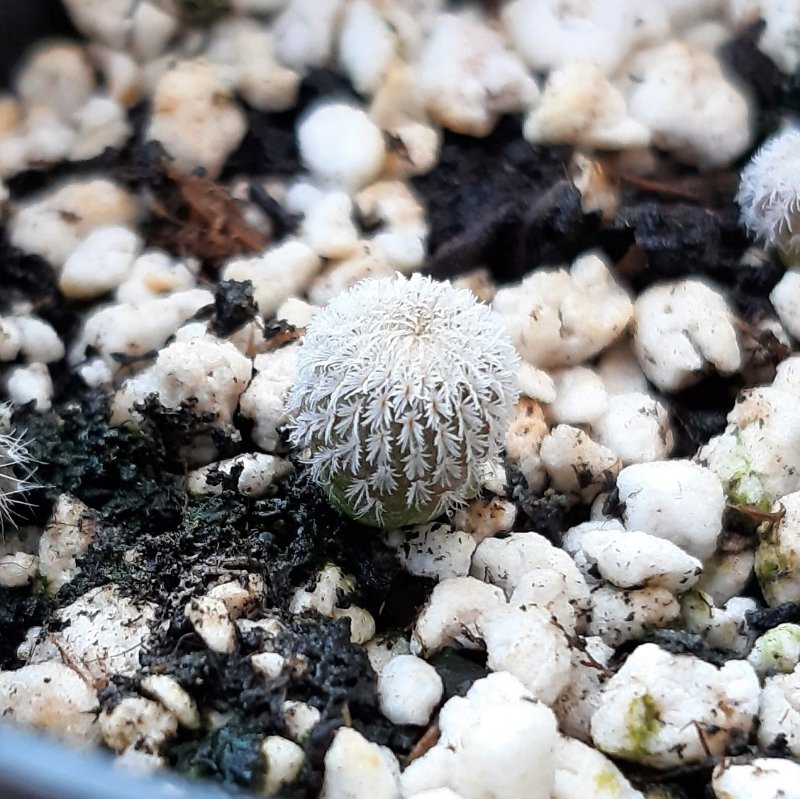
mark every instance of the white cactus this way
{"type": "Point", "coordinates": [769, 194]}
{"type": "Point", "coordinates": [16, 470]}
{"type": "Point", "coordinates": [402, 397]}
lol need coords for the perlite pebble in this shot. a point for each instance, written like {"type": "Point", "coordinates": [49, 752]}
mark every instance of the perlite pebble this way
{"type": "Point", "coordinates": [559, 318]}
{"type": "Point", "coordinates": [137, 722]}
{"type": "Point", "coordinates": [677, 500]}
{"type": "Point", "coordinates": [195, 118]}
{"type": "Point", "coordinates": [483, 518]}
{"type": "Point", "coordinates": [67, 536]}
{"type": "Point", "coordinates": [683, 329]}
{"type": "Point", "coordinates": [99, 126]}
{"type": "Point", "coordinates": [102, 633]}
{"type": "Point", "coordinates": [409, 689]}
{"type": "Point", "coordinates": [526, 431]}
{"type": "Point", "coordinates": [341, 145]}
{"type": "Point", "coordinates": [300, 719]}
{"type": "Point", "coordinates": [667, 710]}
{"type": "Point", "coordinates": [328, 226]}
{"type": "Point", "coordinates": [617, 616]}
{"type": "Point", "coordinates": [761, 778]}
{"type": "Point", "coordinates": [50, 697]}
{"type": "Point", "coordinates": [304, 33]}
{"type": "Point", "coordinates": [497, 741]}
{"type": "Point", "coordinates": [283, 761]}
{"type": "Point", "coordinates": [31, 383]}
{"type": "Point", "coordinates": [580, 396]}
{"type": "Point", "coordinates": [777, 560]}
{"type": "Point", "coordinates": [723, 628]}
{"type": "Point", "coordinates": [280, 272]}
{"type": "Point", "coordinates": [451, 614]}
{"type": "Point", "coordinates": [38, 342]}
{"type": "Point", "coordinates": [434, 550]}
{"type": "Point", "coordinates": [367, 46]}
{"type": "Point", "coordinates": [777, 650]}
{"type": "Point", "coordinates": [467, 76]}
{"type": "Point", "coordinates": [580, 768]}
{"type": "Point", "coordinates": [546, 589]}
{"type": "Point", "coordinates": [779, 712]}
{"type": "Point", "coordinates": [17, 569]}
{"type": "Point", "coordinates": [355, 768]}
{"type": "Point", "coordinates": [100, 263]}
{"type": "Point", "coordinates": [212, 622]}
{"type": "Point", "coordinates": [259, 471]}
{"type": "Point", "coordinates": [726, 574]}
{"type": "Point", "coordinates": [264, 400]}
{"type": "Point", "coordinates": [516, 638]}
{"type": "Point", "coordinates": [173, 697]}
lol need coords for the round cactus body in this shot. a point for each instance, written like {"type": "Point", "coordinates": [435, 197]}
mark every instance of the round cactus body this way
{"type": "Point", "coordinates": [402, 396]}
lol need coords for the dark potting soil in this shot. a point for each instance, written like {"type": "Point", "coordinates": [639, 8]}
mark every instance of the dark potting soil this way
{"type": "Point", "coordinates": [494, 202]}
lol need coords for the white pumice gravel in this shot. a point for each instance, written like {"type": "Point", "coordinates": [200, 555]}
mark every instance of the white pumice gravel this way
{"type": "Point", "coordinates": [779, 712]}
{"type": "Point", "coordinates": [682, 329]}
{"type": "Point", "coordinates": [409, 689]}
{"type": "Point", "coordinates": [666, 710]}
{"type": "Point", "coordinates": [761, 778]}
{"type": "Point", "coordinates": [677, 500]}
{"type": "Point", "coordinates": [580, 767]}
{"type": "Point", "coordinates": [721, 627]}
{"type": "Point", "coordinates": [31, 383]}
{"type": "Point", "coordinates": [495, 741]}
{"type": "Point", "coordinates": [559, 317]}
{"type": "Point", "coordinates": [259, 471]}
{"type": "Point", "coordinates": [284, 760]}
{"type": "Point", "coordinates": [618, 615]}
{"type": "Point", "coordinates": [137, 723]}
{"type": "Point", "coordinates": [434, 550]}
{"type": "Point", "coordinates": [173, 697]}
{"type": "Point", "coordinates": [211, 621]}
{"type": "Point", "coordinates": [776, 651]}
{"type": "Point", "coordinates": [777, 560]}
{"type": "Point", "coordinates": [581, 396]}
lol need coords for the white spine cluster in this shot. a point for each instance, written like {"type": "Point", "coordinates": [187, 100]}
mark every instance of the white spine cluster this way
{"type": "Point", "coordinates": [16, 471]}
{"type": "Point", "coordinates": [402, 396]}
{"type": "Point", "coordinates": [769, 193]}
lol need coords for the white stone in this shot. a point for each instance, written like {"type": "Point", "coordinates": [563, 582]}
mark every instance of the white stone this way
{"type": "Point", "coordinates": [137, 722]}
{"type": "Point", "coordinates": [330, 583]}
{"type": "Point", "coordinates": [281, 272]}
{"type": "Point", "coordinates": [31, 383]}
{"type": "Point", "coordinates": [210, 372]}
{"type": "Point", "coordinates": [468, 77]}
{"type": "Point", "coordinates": [777, 650]}
{"type": "Point", "coordinates": [580, 396]}
{"type": "Point", "coordinates": [211, 621]}
{"type": "Point", "coordinates": [546, 589]}
{"type": "Point", "coordinates": [355, 768]}
{"type": "Point", "coordinates": [173, 697]}
{"type": "Point", "coordinates": [10, 339]}
{"type": "Point", "coordinates": [56, 75]}
{"type": "Point", "coordinates": [536, 383]}
{"type": "Point", "coordinates": [284, 761]}
{"type": "Point", "coordinates": [524, 642]}
{"type": "Point", "coordinates": [53, 223]}
{"type": "Point", "coordinates": [580, 767]}
{"type": "Point", "coordinates": [269, 665]}
{"type": "Point", "coordinates": [103, 633]}
{"type": "Point", "coordinates": [240, 596]}
{"type": "Point", "coordinates": [617, 616]}
{"type": "Point", "coordinates": [582, 696]}
{"type": "Point", "coordinates": [497, 741]}
{"type": "Point", "coordinates": [677, 500]}
{"type": "Point", "coordinates": [121, 73]}
{"type": "Point", "coordinates": [785, 299]}
{"type": "Point", "coordinates": [38, 341]}
{"type": "Point", "coordinates": [195, 118]}
{"type": "Point", "coordinates": [263, 401]}
{"type": "Point", "coordinates": [409, 689]}
{"type": "Point", "coordinates": [667, 92]}
{"type": "Point", "coordinates": [300, 719]}
{"type": "Point", "coordinates": [636, 428]}
{"type": "Point", "coordinates": [48, 138]}
{"type": "Point", "coordinates": [246, 47]}
{"type": "Point", "coordinates": [782, 20]}
{"type": "Point", "coordinates": [668, 710]}
{"type": "Point", "coordinates": [100, 125]}
{"type": "Point", "coordinates": [483, 518]}
{"type": "Point", "coordinates": [100, 263]}
{"type": "Point", "coordinates": [259, 471]}
{"type": "Point", "coordinates": [451, 615]}
{"type": "Point", "coordinates": [367, 46]}
{"type": "Point", "coordinates": [723, 628]}
{"type": "Point", "coordinates": [328, 226]}
{"type": "Point", "coordinates": [17, 569]}
{"type": "Point", "coordinates": [725, 574]}
{"type": "Point", "coordinates": [297, 313]}
{"type": "Point", "coordinates": [362, 624]}
{"type": "Point", "coordinates": [138, 328]}
{"type": "Point", "coordinates": [579, 106]}
{"type": "Point", "coordinates": [367, 262]}
{"type": "Point", "coordinates": [636, 560]}
{"type": "Point", "coordinates": [560, 318]}
{"type": "Point", "coordinates": [506, 561]}
{"type": "Point", "coordinates": [576, 464]}
{"type": "Point", "coordinates": [549, 33]}
{"type": "Point", "coordinates": [682, 329]}
{"type": "Point", "coordinates": [434, 550]}
{"type": "Point", "coordinates": [341, 145]}
{"type": "Point", "coordinates": [620, 370]}
{"type": "Point", "coordinates": [154, 274]}
{"type": "Point", "coordinates": [50, 697]}
{"type": "Point", "coordinates": [526, 431]}
{"type": "Point", "coordinates": [67, 536]}
{"type": "Point", "coordinates": [761, 778]}
{"type": "Point", "coordinates": [305, 31]}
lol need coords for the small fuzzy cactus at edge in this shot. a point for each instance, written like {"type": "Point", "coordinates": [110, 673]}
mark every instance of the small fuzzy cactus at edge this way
{"type": "Point", "coordinates": [402, 396]}
{"type": "Point", "coordinates": [16, 470]}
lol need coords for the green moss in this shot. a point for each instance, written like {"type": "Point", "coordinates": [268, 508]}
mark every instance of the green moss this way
{"type": "Point", "coordinates": [643, 723]}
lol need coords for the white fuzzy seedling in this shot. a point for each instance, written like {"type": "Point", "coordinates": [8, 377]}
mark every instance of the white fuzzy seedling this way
{"type": "Point", "coordinates": [769, 194]}
{"type": "Point", "coordinates": [16, 471]}
{"type": "Point", "coordinates": [402, 396]}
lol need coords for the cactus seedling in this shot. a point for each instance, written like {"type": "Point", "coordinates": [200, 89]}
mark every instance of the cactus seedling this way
{"type": "Point", "coordinates": [401, 399]}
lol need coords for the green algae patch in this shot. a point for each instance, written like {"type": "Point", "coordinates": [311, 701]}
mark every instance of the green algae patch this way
{"type": "Point", "coordinates": [643, 723]}
{"type": "Point", "coordinates": [606, 783]}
